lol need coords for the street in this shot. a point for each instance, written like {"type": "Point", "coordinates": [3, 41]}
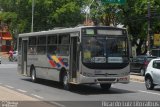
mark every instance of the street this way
{"type": "Point", "coordinates": [90, 95]}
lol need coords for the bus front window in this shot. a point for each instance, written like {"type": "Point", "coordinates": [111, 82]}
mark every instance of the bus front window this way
{"type": "Point", "coordinates": [100, 49]}
{"type": "Point", "coordinates": [93, 47]}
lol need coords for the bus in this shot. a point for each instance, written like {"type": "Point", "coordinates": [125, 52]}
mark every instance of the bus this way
{"type": "Point", "coordinates": [79, 55]}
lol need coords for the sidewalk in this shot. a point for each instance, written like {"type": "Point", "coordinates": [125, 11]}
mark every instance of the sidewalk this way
{"type": "Point", "coordinates": [136, 77]}
{"type": "Point", "coordinates": [10, 98]}
{"type": "Point", "coordinates": [4, 54]}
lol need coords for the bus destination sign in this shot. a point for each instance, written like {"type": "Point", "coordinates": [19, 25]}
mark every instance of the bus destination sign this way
{"type": "Point", "coordinates": [114, 1]}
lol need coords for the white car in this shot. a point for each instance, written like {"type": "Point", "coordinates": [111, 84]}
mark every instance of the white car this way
{"type": "Point", "coordinates": [152, 75]}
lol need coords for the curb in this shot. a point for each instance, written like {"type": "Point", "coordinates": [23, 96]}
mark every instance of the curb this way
{"type": "Point", "coordinates": [137, 78]}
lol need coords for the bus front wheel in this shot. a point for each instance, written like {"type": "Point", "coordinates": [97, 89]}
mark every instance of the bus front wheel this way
{"type": "Point", "coordinates": [105, 86]}
{"type": "Point", "coordinates": [66, 84]}
{"type": "Point", "coordinates": [33, 74]}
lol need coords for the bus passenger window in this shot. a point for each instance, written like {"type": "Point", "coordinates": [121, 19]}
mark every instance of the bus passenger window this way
{"type": "Point", "coordinates": [63, 50]}
{"type": "Point", "coordinates": [41, 45]}
{"type": "Point", "coordinates": [52, 39]}
{"type": "Point", "coordinates": [32, 50]}
{"type": "Point", "coordinates": [64, 39]}
{"type": "Point", "coordinates": [41, 50]}
{"type": "Point", "coordinates": [42, 40]}
{"type": "Point", "coordinates": [52, 49]}
{"type": "Point", "coordinates": [32, 41]}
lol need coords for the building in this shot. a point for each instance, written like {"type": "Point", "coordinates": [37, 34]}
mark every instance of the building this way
{"type": "Point", "coordinates": [5, 39]}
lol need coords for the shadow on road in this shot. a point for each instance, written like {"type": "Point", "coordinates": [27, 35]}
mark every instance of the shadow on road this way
{"type": "Point", "coordinates": [81, 89]}
{"type": "Point", "coordinates": [157, 88]}
{"type": "Point", "coordinates": [95, 89]}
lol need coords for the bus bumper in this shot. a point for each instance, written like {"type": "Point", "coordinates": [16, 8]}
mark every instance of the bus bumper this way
{"type": "Point", "coordinates": [91, 80]}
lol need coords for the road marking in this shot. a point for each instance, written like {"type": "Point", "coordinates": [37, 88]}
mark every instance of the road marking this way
{"type": "Point", "coordinates": [148, 92]}
{"type": "Point", "coordinates": [137, 81]}
{"type": "Point", "coordinates": [9, 86]}
{"type": "Point", "coordinates": [37, 96]}
{"type": "Point", "coordinates": [57, 104]}
{"type": "Point", "coordinates": [22, 90]}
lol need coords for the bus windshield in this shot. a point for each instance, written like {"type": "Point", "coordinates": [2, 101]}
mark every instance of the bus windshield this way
{"type": "Point", "coordinates": [104, 49]}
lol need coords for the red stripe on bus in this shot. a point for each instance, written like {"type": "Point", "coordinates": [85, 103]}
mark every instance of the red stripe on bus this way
{"type": "Point", "coordinates": [52, 63]}
{"type": "Point", "coordinates": [60, 59]}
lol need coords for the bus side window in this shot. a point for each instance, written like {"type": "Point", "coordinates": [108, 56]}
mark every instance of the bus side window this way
{"type": "Point", "coordinates": [52, 44]}
{"type": "Point", "coordinates": [52, 49]}
{"type": "Point", "coordinates": [52, 40]}
{"type": "Point", "coordinates": [41, 45]}
{"type": "Point", "coordinates": [32, 49]}
{"type": "Point", "coordinates": [63, 44]}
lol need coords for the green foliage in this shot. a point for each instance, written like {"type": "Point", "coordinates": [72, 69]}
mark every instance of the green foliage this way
{"type": "Point", "coordinates": [47, 13]}
{"type": "Point", "coordinates": [67, 15]}
{"type": "Point", "coordinates": [8, 17]}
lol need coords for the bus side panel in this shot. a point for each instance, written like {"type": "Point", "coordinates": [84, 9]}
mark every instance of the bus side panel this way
{"type": "Point", "coordinates": [47, 67]}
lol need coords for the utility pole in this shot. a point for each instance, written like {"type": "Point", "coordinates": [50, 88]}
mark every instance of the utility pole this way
{"type": "Point", "coordinates": [88, 10]}
{"type": "Point", "coordinates": [149, 25]}
{"type": "Point", "coordinates": [32, 15]}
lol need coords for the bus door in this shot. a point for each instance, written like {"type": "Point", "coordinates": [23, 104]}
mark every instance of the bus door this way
{"type": "Point", "coordinates": [24, 56]}
{"type": "Point", "coordinates": [73, 57]}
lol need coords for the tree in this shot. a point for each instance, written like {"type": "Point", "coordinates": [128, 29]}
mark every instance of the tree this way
{"type": "Point", "coordinates": [47, 15]}
{"type": "Point", "coordinates": [134, 17]}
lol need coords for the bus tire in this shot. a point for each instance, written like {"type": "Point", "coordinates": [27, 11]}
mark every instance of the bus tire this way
{"type": "Point", "coordinates": [66, 84]}
{"type": "Point", "coordinates": [105, 86]}
{"type": "Point", "coordinates": [33, 74]}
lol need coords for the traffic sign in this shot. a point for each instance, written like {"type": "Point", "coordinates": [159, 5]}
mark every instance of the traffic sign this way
{"type": "Point", "coordinates": [114, 1]}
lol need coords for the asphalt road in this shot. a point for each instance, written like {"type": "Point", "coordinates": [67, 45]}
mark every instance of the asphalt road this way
{"type": "Point", "coordinates": [83, 95]}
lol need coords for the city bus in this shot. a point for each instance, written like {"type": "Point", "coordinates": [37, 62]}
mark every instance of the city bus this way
{"type": "Point", "coordinates": [79, 55]}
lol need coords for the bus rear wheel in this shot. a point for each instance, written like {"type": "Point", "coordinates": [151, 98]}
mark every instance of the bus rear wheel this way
{"type": "Point", "coordinates": [33, 74]}
{"type": "Point", "coordinates": [105, 86]}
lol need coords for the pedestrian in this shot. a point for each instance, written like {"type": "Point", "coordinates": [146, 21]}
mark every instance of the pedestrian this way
{"type": "Point", "coordinates": [11, 55]}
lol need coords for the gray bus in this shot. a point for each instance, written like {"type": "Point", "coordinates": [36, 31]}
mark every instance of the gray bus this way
{"type": "Point", "coordinates": [80, 55]}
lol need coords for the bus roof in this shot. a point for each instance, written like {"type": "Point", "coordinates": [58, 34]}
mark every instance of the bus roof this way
{"type": "Point", "coordinates": [63, 30]}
